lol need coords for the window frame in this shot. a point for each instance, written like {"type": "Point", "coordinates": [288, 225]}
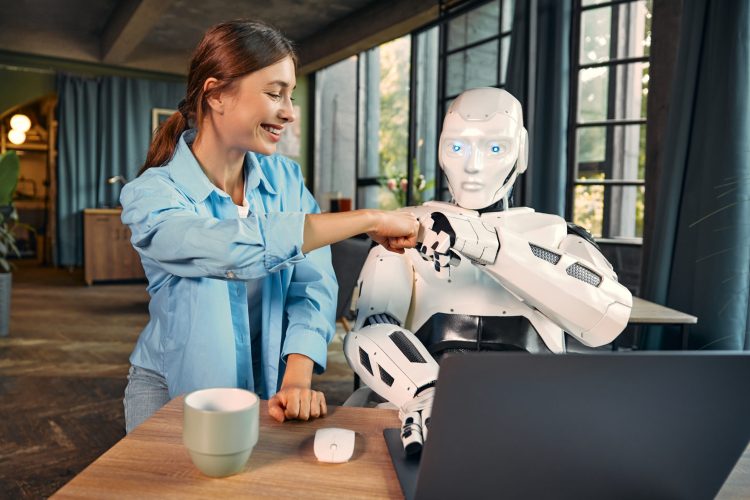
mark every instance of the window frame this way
{"type": "Point", "coordinates": [609, 124]}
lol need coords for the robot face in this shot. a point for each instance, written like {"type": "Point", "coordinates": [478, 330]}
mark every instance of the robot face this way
{"type": "Point", "coordinates": [482, 146]}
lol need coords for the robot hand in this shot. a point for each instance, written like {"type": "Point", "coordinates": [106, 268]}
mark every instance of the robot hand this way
{"type": "Point", "coordinates": [435, 239]}
{"type": "Point", "coordinates": [442, 237]}
{"type": "Point", "coordinates": [415, 421]}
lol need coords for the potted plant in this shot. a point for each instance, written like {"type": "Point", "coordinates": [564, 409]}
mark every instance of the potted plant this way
{"type": "Point", "coordinates": [395, 184]}
{"type": "Point", "coordinates": [9, 169]}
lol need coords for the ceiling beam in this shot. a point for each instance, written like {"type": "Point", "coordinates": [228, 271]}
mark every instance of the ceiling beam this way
{"type": "Point", "coordinates": [369, 27]}
{"type": "Point", "coordinates": [128, 25]}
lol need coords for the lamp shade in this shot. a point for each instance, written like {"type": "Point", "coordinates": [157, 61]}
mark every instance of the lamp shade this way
{"type": "Point", "coordinates": [20, 122]}
{"type": "Point", "coordinates": [16, 136]}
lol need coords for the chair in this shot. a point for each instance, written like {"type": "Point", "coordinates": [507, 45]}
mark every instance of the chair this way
{"type": "Point", "coordinates": [348, 257]}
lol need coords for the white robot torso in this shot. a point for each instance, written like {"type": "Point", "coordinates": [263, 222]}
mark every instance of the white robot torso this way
{"type": "Point", "coordinates": [466, 289]}
{"type": "Point", "coordinates": [390, 281]}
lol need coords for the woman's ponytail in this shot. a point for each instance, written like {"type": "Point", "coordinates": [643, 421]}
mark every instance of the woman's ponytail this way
{"type": "Point", "coordinates": [165, 141]}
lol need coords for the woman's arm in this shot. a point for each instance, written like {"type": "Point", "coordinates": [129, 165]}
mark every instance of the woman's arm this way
{"type": "Point", "coordinates": [394, 230]}
{"type": "Point", "coordinates": [166, 228]}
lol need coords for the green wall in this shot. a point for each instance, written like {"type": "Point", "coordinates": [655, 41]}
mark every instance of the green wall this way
{"type": "Point", "coordinates": [301, 98]}
{"type": "Point", "coordinates": [22, 85]}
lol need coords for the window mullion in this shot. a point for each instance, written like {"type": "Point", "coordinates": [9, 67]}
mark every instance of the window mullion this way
{"type": "Point", "coordinates": [609, 156]}
{"type": "Point", "coordinates": [358, 130]}
{"type": "Point", "coordinates": [442, 75]}
{"type": "Point", "coordinates": [614, 62]}
{"type": "Point", "coordinates": [575, 39]}
{"type": "Point", "coordinates": [499, 42]}
{"type": "Point", "coordinates": [464, 48]}
{"type": "Point", "coordinates": [411, 140]}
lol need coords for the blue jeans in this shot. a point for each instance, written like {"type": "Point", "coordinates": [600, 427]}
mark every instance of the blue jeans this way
{"type": "Point", "coordinates": [145, 393]}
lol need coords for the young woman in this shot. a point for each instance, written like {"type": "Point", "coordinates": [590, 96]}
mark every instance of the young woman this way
{"type": "Point", "coordinates": [233, 245]}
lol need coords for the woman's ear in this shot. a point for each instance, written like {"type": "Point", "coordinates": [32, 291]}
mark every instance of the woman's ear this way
{"type": "Point", "coordinates": [214, 99]}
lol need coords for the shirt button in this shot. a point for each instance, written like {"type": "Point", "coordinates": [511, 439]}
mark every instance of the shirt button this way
{"type": "Point", "coordinates": [231, 275]}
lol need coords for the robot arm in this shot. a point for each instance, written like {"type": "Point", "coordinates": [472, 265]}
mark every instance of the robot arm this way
{"type": "Point", "coordinates": [387, 357]}
{"type": "Point", "coordinates": [394, 364]}
{"type": "Point", "coordinates": [384, 288]}
{"type": "Point", "coordinates": [573, 285]}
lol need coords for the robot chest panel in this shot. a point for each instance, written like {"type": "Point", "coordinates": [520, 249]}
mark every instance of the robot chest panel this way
{"type": "Point", "coordinates": [463, 289]}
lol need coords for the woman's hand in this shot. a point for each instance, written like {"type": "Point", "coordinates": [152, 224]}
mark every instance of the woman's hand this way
{"type": "Point", "coordinates": [395, 230]}
{"type": "Point", "coordinates": [297, 403]}
{"type": "Point", "coordinates": [296, 400]}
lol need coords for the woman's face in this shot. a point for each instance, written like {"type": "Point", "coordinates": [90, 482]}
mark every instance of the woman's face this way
{"type": "Point", "coordinates": [258, 108]}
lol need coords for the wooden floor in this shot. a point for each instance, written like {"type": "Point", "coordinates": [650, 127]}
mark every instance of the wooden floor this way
{"type": "Point", "coordinates": [63, 371]}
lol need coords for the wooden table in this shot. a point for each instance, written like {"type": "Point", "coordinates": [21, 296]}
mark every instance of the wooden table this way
{"type": "Point", "coordinates": [151, 462]}
{"type": "Point", "coordinates": [650, 313]}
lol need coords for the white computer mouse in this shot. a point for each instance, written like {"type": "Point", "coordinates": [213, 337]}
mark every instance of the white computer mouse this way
{"type": "Point", "coordinates": [334, 445]}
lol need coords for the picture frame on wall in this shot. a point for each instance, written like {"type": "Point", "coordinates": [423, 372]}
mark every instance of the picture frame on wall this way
{"type": "Point", "coordinates": [159, 116]}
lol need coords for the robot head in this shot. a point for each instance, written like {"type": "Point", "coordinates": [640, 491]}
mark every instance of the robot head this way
{"type": "Point", "coordinates": [483, 146]}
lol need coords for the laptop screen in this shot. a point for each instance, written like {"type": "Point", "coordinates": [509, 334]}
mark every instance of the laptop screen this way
{"type": "Point", "coordinates": [618, 425]}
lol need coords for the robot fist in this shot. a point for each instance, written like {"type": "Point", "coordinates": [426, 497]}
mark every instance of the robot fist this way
{"type": "Point", "coordinates": [435, 239]}
{"type": "Point", "coordinates": [442, 237]}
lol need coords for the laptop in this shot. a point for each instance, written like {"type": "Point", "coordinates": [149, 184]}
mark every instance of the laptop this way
{"type": "Point", "coordinates": [617, 425]}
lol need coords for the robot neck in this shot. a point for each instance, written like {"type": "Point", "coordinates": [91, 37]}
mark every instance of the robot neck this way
{"type": "Point", "coordinates": [500, 205]}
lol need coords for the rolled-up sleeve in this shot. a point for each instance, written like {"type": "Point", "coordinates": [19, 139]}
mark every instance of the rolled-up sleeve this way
{"type": "Point", "coordinates": [167, 229]}
{"type": "Point", "coordinates": [311, 302]}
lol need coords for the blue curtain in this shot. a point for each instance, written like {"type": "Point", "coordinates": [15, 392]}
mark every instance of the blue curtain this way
{"type": "Point", "coordinates": [547, 74]}
{"type": "Point", "coordinates": [699, 261]}
{"type": "Point", "coordinates": [104, 130]}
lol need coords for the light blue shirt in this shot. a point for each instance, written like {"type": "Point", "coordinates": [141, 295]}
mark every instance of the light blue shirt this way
{"type": "Point", "coordinates": [198, 254]}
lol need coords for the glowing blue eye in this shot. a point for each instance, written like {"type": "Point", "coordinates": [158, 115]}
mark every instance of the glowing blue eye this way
{"type": "Point", "coordinates": [495, 148]}
{"type": "Point", "coordinates": [456, 148]}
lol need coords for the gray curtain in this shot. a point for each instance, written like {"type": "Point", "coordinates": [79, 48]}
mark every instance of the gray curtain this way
{"type": "Point", "coordinates": [699, 259]}
{"type": "Point", "coordinates": [541, 82]}
{"type": "Point", "coordinates": [104, 131]}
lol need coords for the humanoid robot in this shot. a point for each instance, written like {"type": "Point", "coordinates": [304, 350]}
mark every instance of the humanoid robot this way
{"type": "Point", "coordinates": [484, 276]}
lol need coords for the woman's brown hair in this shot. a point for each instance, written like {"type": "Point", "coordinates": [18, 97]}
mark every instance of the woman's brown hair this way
{"type": "Point", "coordinates": [227, 52]}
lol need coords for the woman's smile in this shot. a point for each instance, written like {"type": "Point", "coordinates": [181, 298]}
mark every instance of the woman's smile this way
{"type": "Point", "coordinates": [274, 131]}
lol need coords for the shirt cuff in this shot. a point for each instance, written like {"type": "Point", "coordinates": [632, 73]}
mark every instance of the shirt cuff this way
{"type": "Point", "coordinates": [283, 234]}
{"type": "Point", "coordinates": [309, 343]}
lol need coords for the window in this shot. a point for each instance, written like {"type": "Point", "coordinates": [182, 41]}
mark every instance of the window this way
{"type": "Point", "coordinates": [362, 126]}
{"type": "Point", "coordinates": [378, 114]}
{"type": "Point", "coordinates": [384, 123]}
{"type": "Point", "coordinates": [609, 82]}
{"type": "Point", "coordinates": [335, 131]}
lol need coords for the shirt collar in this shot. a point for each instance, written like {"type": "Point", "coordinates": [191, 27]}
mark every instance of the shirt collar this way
{"type": "Point", "coordinates": [185, 171]}
{"type": "Point", "coordinates": [255, 175]}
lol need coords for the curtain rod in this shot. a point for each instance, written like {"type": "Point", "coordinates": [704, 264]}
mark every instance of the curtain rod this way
{"type": "Point", "coordinates": [25, 68]}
